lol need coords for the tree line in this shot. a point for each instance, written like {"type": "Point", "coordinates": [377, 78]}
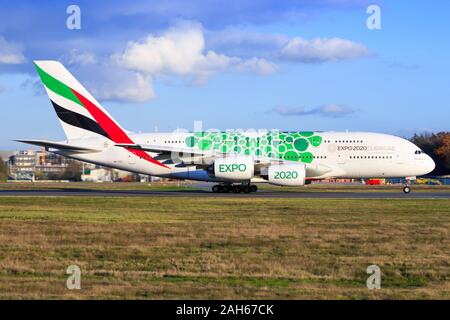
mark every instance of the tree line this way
{"type": "Point", "coordinates": [437, 146]}
{"type": "Point", "coordinates": [3, 170]}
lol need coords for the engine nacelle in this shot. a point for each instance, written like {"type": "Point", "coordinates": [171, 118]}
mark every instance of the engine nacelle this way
{"type": "Point", "coordinates": [287, 174]}
{"type": "Point", "coordinates": [234, 168]}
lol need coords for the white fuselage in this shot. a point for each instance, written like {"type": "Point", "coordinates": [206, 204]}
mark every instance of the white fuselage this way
{"type": "Point", "coordinates": [340, 155]}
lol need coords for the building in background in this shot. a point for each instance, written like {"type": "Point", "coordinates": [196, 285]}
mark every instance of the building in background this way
{"type": "Point", "coordinates": [101, 174]}
{"type": "Point", "coordinates": [50, 166]}
{"type": "Point", "coordinates": [97, 175]}
{"type": "Point", "coordinates": [22, 165]}
{"type": "Point", "coordinates": [41, 165]}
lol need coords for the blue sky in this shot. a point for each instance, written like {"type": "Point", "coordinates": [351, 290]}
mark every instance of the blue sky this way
{"type": "Point", "coordinates": [288, 65]}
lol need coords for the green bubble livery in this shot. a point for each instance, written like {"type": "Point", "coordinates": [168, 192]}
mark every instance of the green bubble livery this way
{"type": "Point", "coordinates": [292, 146]}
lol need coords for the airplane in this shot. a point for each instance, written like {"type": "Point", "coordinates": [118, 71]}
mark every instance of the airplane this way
{"type": "Point", "coordinates": [234, 160]}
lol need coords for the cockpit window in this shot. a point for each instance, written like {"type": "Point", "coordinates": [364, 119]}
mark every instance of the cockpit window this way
{"type": "Point", "coordinates": [418, 152]}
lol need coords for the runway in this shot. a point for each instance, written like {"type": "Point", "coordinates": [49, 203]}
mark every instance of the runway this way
{"type": "Point", "coordinates": [206, 193]}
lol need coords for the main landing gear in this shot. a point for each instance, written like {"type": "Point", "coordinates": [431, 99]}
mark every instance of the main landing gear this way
{"type": "Point", "coordinates": [236, 188]}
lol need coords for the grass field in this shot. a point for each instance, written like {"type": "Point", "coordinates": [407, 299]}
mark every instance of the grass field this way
{"type": "Point", "coordinates": [182, 185]}
{"type": "Point", "coordinates": [159, 186]}
{"type": "Point", "coordinates": [148, 248]}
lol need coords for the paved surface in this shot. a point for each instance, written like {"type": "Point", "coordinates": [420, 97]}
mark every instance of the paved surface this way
{"type": "Point", "coordinates": [207, 193]}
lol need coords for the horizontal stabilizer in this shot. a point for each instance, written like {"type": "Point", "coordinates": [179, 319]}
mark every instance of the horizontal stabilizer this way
{"type": "Point", "coordinates": [58, 145]}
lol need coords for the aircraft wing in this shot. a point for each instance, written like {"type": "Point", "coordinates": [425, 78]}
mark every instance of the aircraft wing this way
{"type": "Point", "coordinates": [58, 145]}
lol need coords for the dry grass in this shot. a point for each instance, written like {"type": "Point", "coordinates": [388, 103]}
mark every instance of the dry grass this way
{"type": "Point", "coordinates": [190, 185]}
{"type": "Point", "coordinates": [224, 248]}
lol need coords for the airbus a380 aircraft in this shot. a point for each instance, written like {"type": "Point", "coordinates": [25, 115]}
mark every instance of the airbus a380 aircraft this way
{"type": "Point", "coordinates": [234, 160]}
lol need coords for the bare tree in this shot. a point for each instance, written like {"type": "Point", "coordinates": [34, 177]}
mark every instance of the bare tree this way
{"type": "Point", "coordinates": [73, 171]}
{"type": "Point", "coordinates": [3, 170]}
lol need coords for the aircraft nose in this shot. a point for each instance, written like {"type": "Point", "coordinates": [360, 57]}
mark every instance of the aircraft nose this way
{"type": "Point", "coordinates": [429, 164]}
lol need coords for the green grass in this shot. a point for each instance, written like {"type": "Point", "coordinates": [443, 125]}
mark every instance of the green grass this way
{"type": "Point", "coordinates": [155, 186]}
{"type": "Point", "coordinates": [149, 248]}
{"type": "Point", "coordinates": [354, 187]}
{"type": "Point", "coordinates": [185, 185]}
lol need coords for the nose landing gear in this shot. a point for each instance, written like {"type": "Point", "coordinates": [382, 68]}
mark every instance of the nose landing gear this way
{"type": "Point", "coordinates": [225, 188]}
{"type": "Point", "coordinates": [407, 189]}
{"type": "Point", "coordinates": [407, 186]}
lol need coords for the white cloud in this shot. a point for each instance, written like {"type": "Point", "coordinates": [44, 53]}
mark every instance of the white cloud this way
{"type": "Point", "coordinates": [136, 88]}
{"type": "Point", "coordinates": [334, 110]}
{"type": "Point", "coordinates": [122, 85]}
{"type": "Point", "coordinates": [328, 110]}
{"type": "Point", "coordinates": [82, 58]}
{"type": "Point", "coordinates": [10, 52]}
{"type": "Point", "coordinates": [174, 52]}
{"type": "Point", "coordinates": [278, 47]}
{"type": "Point", "coordinates": [322, 50]}
{"type": "Point", "coordinates": [181, 51]}
{"type": "Point", "coordinates": [244, 42]}
{"type": "Point", "coordinates": [105, 80]}
{"type": "Point", "coordinates": [257, 65]}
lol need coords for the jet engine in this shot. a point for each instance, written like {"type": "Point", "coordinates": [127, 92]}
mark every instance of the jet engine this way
{"type": "Point", "coordinates": [234, 168]}
{"type": "Point", "coordinates": [287, 174]}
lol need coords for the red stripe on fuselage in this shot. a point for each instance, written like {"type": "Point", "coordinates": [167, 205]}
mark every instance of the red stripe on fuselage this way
{"type": "Point", "coordinates": [114, 132]}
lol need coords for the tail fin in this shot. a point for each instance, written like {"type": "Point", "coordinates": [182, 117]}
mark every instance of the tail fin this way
{"type": "Point", "coordinates": [80, 114]}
